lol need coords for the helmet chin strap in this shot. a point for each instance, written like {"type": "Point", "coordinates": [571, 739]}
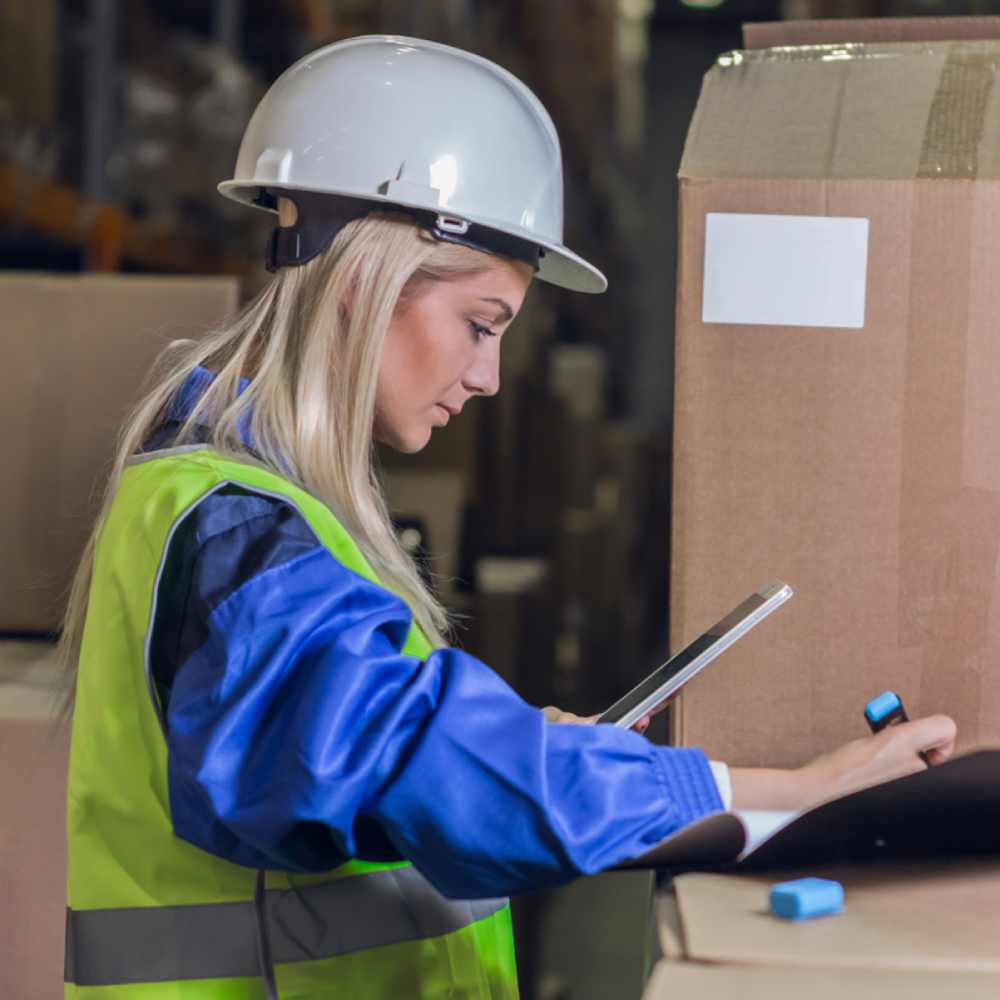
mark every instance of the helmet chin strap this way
{"type": "Point", "coordinates": [319, 217]}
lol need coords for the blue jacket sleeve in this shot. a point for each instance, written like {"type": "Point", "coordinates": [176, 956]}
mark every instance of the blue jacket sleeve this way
{"type": "Point", "coordinates": [299, 736]}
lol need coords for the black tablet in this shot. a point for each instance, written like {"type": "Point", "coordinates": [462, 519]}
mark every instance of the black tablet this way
{"type": "Point", "coordinates": [664, 682]}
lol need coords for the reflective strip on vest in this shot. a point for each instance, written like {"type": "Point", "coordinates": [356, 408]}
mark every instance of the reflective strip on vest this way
{"type": "Point", "coordinates": [218, 940]}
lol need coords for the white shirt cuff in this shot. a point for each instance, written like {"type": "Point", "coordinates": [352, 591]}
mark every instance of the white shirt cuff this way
{"type": "Point", "coordinates": [723, 782]}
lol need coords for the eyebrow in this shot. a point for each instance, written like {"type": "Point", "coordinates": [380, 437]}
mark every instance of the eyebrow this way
{"type": "Point", "coordinates": [506, 313]}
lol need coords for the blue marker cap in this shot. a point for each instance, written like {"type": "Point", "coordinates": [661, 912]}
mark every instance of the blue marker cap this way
{"type": "Point", "coordinates": [807, 897]}
{"type": "Point", "coordinates": [882, 706]}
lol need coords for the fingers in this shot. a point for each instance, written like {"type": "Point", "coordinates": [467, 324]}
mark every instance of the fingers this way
{"type": "Point", "coordinates": [936, 756]}
{"type": "Point", "coordinates": [643, 724]}
{"type": "Point", "coordinates": [933, 736]}
{"type": "Point", "coordinates": [553, 714]}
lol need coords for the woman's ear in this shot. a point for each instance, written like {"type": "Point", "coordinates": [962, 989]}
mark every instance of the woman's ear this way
{"type": "Point", "coordinates": [288, 213]}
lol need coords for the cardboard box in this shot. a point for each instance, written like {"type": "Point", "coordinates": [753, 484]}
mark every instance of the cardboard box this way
{"type": "Point", "coordinates": [75, 352]}
{"type": "Point", "coordinates": [838, 396]}
{"type": "Point", "coordinates": [908, 931]}
{"type": "Point", "coordinates": [836, 31]}
{"type": "Point", "coordinates": [724, 982]}
{"type": "Point", "coordinates": [34, 751]}
{"type": "Point", "coordinates": [938, 917]}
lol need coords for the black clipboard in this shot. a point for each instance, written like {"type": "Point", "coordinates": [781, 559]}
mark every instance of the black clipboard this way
{"type": "Point", "coordinates": [948, 810]}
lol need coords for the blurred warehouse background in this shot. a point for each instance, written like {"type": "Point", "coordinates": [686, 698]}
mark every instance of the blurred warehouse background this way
{"type": "Point", "coordinates": [543, 514]}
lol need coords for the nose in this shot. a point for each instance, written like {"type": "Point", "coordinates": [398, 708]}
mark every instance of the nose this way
{"type": "Point", "coordinates": [483, 376]}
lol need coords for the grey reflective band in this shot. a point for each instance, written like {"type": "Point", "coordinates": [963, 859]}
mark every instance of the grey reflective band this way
{"type": "Point", "coordinates": [217, 940]}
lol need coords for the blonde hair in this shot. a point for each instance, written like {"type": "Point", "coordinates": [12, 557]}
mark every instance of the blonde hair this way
{"type": "Point", "coordinates": [312, 343]}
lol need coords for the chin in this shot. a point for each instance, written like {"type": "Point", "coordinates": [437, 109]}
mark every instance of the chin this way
{"type": "Point", "coordinates": [408, 443]}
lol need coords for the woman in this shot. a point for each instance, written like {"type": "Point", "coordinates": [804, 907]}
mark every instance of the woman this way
{"type": "Point", "coordinates": [283, 781]}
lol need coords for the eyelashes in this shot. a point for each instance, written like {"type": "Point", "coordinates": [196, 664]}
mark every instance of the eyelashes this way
{"type": "Point", "coordinates": [481, 331]}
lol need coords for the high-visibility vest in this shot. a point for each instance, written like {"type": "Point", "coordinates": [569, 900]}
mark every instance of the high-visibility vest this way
{"type": "Point", "coordinates": [151, 917]}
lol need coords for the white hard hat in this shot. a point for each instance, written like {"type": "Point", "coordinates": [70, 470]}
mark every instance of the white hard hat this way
{"type": "Point", "coordinates": [386, 121]}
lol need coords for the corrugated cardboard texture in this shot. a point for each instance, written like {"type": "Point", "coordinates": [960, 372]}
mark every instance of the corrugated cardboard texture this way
{"type": "Point", "coordinates": [75, 353]}
{"type": "Point", "coordinates": [860, 466]}
{"type": "Point", "coordinates": [864, 112]}
{"type": "Point", "coordinates": [937, 918]}
{"type": "Point", "coordinates": [873, 29]}
{"type": "Point", "coordinates": [33, 759]}
{"type": "Point", "coordinates": [676, 980]}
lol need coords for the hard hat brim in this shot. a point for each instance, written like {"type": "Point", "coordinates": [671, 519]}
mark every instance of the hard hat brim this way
{"type": "Point", "coordinates": [560, 266]}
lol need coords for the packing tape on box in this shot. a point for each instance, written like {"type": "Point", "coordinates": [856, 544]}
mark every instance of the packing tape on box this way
{"type": "Point", "coordinates": [957, 116]}
{"type": "Point", "coordinates": [950, 100]}
{"type": "Point", "coordinates": [868, 30]}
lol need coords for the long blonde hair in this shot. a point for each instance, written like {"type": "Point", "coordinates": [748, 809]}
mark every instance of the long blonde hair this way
{"type": "Point", "coordinates": [312, 343]}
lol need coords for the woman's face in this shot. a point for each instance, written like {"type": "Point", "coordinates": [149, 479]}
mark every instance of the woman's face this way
{"type": "Point", "coordinates": [443, 346]}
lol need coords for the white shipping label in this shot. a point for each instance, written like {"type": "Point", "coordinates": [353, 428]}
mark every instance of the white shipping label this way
{"type": "Point", "coordinates": [785, 270]}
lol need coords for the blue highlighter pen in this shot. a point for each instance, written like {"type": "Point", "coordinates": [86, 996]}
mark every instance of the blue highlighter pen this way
{"type": "Point", "coordinates": [887, 709]}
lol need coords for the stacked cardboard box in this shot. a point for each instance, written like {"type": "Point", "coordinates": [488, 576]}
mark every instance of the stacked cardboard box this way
{"type": "Point", "coordinates": [718, 940]}
{"type": "Point", "coordinates": [76, 351]}
{"type": "Point", "coordinates": [33, 756]}
{"type": "Point", "coordinates": [838, 402]}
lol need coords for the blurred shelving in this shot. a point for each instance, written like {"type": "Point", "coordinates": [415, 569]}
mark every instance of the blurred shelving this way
{"type": "Point", "coordinates": [108, 237]}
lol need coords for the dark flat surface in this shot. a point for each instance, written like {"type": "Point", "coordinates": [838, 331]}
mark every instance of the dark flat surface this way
{"type": "Point", "coordinates": [952, 809]}
{"type": "Point", "coordinates": [946, 811]}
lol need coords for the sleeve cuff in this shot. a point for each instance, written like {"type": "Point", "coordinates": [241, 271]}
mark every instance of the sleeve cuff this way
{"type": "Point", "coordinates": [689, 782]}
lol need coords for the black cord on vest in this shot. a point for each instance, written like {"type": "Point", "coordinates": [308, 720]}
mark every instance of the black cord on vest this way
{"type": "Point", "coordinates": [263, 938]}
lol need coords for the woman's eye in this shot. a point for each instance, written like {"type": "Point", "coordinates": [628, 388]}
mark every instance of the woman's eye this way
{"type": "Point", "coordinates": [479, 330]}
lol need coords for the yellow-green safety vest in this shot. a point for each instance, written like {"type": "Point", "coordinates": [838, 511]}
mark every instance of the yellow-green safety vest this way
{"type": "Point", "coordinates": [151, 917]}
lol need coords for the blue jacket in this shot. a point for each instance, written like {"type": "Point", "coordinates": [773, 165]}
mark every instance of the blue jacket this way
{"type": "Point", "coordinates": [278, 760]}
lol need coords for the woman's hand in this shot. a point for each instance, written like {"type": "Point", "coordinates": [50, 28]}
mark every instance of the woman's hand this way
{"type": "Point", "coordinates": [891, 753]}
{"type": "Point", "coordinates": [871, 760]}
{"type": "Point", "coordinates": [553, 714]}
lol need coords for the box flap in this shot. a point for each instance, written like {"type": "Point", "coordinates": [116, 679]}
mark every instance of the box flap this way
{"type": "Point", "coordinates": [934, 917]}
{"type": "Point", "coordinates": [832, 31]}
{"type": "Point", "coordinates": [853, 111]}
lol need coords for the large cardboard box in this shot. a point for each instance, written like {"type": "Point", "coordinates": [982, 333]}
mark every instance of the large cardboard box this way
{"type": "Point", "coordinates": [34, 750]}
{"type": "Point", "coordinates": [838, 390]}
{"type": "Point", "coordinates": [907, 932]}
{"type": "Point", "coordinates": [75, 353]}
